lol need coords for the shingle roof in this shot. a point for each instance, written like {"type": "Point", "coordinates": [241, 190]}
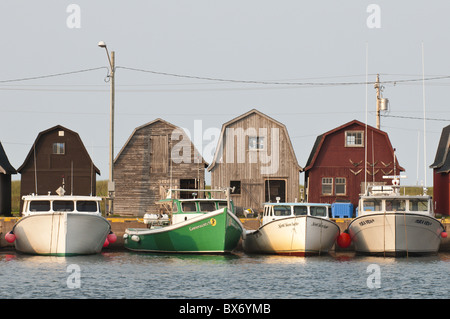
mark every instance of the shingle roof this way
{"type": "Point", "coordinates": [5, 166]}
{"type": "Point", "coordinates": [442, 160]}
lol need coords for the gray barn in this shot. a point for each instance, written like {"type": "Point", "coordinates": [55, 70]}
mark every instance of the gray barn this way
{"type": "Point", "coordinates": [157, 156]}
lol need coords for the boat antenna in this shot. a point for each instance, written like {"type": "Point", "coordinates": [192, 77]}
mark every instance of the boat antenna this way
{"type": "Point", "coordinates": [35, 168]}
{"type": "Point", "coordinates": [424, 125]}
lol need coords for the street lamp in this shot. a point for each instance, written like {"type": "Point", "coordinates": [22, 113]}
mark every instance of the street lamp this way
{"type": "Point", "coordinates": [111, 188]}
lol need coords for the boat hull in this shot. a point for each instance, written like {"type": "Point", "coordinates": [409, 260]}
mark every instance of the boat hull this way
{"type": "Point", "coordinates": [61, 234]}
{"type": "Point", "coordinates": [216, 232]}
{"type": "Point", "coordinates": [396, 234]}
{"type": "Point", "coordinates": [294, 236]}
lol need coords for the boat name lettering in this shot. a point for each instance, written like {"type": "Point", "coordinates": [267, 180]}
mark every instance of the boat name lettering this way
{"type": "Point", "coordinates": [319, 225]}
{"type": "Point", "coordinates": [423, 222]}
{"type": "Point", "coordinates": [201, 225]}
{"type": "Point", "coordinates": [366, 222]}
{"type": "Point", "coordinates": [287, 224]}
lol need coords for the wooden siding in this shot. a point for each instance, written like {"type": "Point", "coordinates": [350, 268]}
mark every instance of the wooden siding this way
{"type": "Point", "coordinates": [74, 167]}
{"type": "Point", "coordinates": [143, 169]}
{"type": "Point", "coordinates": [234, 161]}
{"type": "Point", "coordinates": [331, 158]}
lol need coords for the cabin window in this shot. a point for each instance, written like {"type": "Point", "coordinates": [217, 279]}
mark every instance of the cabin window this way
{"type": "Point", "coordinates": [395, 205]}
{"type": "Point", "coordinates": [340, 186]}
{"type": "Point", "coordinates": [40, 206]}
{"type": "Point", "coordinates": [318, 211]}
{"type": "Point", "coordinates": [372, 205]}
{"type": "Point", "coordinates": [300, 210]}
{"type": "Point", "coordinates": [256, 143]}
{"type": "Point", "coordinates": [282, 211]}
{"type": "Point", "coordinates": [354, 139]}
{"type": "Point", "coordinates": [189, 207]}
{"type": "Point", "coordinates": [87, 206]}
{"type": "Point", "coordinates": [418, 205]}
{"type": "Point", "coordinates": [63, 206]}
{"type": "Point", "coordinates": [327, 186]}
{"type": "Point", "coordinates": [207, 206]}
{"type": "Point", "coordinates": [59, 148]}
{"type": "Point", "coordinates": [237, 187]}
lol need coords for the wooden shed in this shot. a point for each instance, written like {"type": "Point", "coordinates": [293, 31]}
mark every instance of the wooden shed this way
{"type": "Point", "coordinates": [6, 170]}
{"type": "Point", "coordinates": [157, 156]}
{"type": "Point", "coordinates": [58, 158]}
{"type": "Point", "coordinates": [441, 176]}
{"type": "Point", "coordinates": [336, 169]}
{"type": "Point", "coordinates": [255, 156]}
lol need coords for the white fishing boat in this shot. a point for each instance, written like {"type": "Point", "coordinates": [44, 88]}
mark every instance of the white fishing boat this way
{"type": "Point", "coordinates": [297, 229]}
{"type": "Point", "coordinates": [61, 226]}
{"type": "Point", "coordinates": [391, 224]}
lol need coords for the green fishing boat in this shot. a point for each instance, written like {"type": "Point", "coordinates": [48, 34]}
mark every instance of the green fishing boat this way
{"type": "Point", "coordinates": [199, 225]}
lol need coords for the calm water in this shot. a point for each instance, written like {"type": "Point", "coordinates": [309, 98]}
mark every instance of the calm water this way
{"type": "Point", "coordinates": [131, 275]}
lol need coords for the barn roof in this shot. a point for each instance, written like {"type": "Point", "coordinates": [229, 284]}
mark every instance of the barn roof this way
{"type": "Point", "coordinates": [442, 160]}
{"type": "Point", "coordinates": [321, 138]}
{"type": "Point", "coordinates": [253, 111]}
{"type": "Point", "coordinates": [54, 128]}
{"type": "Point", "coordinates": [5, 166]}
{"type": "Point", "coordinates": [149, 124]}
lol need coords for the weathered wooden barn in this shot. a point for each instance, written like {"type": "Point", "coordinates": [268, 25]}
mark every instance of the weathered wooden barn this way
{"type": "Point", "coordinates": [255, 156]}
{"type": "Point", "coordinates": [58, 158]}
{"type": "Point", "coordinates": [441, 176]}
{"type": "Point", "coordinates": [336, 169]}
{"type": "Point", "coordinates": [6, 170]}
{"type": "Point", "coordinates": [157, 156]}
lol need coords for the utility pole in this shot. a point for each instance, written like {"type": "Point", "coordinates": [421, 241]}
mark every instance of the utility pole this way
{"type": "Point", "coordinates": [382, 103]}
{"type": "Point", "coordinates": [111, 186]}
{"type": "Point", "coordinates": [377, 87]}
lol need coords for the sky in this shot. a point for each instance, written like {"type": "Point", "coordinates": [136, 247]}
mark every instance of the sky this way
{"type": "Point", "coordinates": [200, 63]}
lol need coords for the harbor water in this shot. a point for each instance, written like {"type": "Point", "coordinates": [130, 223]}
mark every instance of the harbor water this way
{"type": "Point", "coordinates": [129, 275]}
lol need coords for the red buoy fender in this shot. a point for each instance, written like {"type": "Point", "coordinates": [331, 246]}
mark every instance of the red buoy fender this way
{"type": "Point", "coordinates": [344, 240]}
{"type": "Point", "coordinates": [106, 243]}
{"type": "Point", "coordinates": [111, 238]}
{"type": "Point", "coordinates": [444, 234]}
{"type": "Point", "coordinates": [10, 237]}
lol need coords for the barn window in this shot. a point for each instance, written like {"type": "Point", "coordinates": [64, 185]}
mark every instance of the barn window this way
{"type": "Point", "coordinates": [340, 184]}
{"type": "Point", "coordinates": [354, 139]}
{"type": "Point", "coordinates": [256, 143]}
{"type": "Point", "coordinates": [59, 148]}
{"type": "Point", "coordinates": [237, 186]}
{"type": "Point", "coordinates": [327, 186]}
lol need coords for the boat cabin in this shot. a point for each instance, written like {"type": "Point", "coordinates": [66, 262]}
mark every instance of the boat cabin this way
{"type": "Point", "coordinates": [402, 204]}
{"type": "Point", "coordinates": [34, 204]}
{"type": "Point", "coordinates": [184, 209]}
{"type": "Point", "coordinates": [274, 211]}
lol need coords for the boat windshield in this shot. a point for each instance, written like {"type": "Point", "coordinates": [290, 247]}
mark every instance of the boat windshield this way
{"type": "Point", "coordinates": [318, 211]}
{"type": "Point", "coordinates": [372, 205]}
{"type": "Point", "coordinates": [87, 206]}
{"type": "Point", "coordinates": [207, 206]}
{"type": "Point", "coordinates": [418, 205]}
{"type": "Point", "coordinates": [39, 206]}
{"type": "Point", "coordinates": [398, 205]}
{"type": "Point", "coordinates": [300, 210]}
{"type": "Point", "coordinates": [282, 210]}
{"type": "Point", "coordinates": [188, 207]}
{"type": "Point", "coordinates": [63, 206]}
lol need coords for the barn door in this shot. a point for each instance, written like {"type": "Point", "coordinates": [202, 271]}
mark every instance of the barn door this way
{"type": "Point", "coordinates": [273, 189]}
{"type": "Point", "coordinates": [159, 153]}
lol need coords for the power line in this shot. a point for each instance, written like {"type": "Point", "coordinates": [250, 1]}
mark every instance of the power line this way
{"type": "Point", "coordinates": [276, 82]}
{"type": "Point", "coordinates": [51, 75]}
{"type": "Point", "coordinates": [415, 118]}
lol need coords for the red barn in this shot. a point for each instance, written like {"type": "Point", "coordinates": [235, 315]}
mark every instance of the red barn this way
{"type": "Point", "coordinates": [336, 172]}
{"type": "Point", "coordinates": [441, 177]}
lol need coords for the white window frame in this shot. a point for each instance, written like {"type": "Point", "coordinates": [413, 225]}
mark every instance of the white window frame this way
{"type": "Point", "coordinates": [351, 139]}
{"type": "Point", "coordinates": [329, 183]}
